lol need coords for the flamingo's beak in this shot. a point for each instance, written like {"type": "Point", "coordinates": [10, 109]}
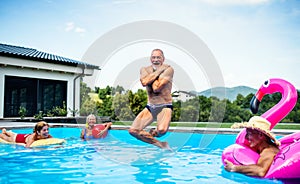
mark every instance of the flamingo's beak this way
{"type": "Point", "coordinates": [254, 105]}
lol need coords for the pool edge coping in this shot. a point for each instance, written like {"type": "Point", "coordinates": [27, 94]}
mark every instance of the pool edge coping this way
{"type": "Point", "coordinates": [210, 130]}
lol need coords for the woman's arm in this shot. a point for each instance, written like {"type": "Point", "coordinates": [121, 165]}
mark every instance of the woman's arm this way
{"type": "Point", "coordinates": [30, 140]}
{"type": "Point", "coordinates": [82, 134]}
{"type": "Point", "coordinates": [260, 169]}
{"type": "Point", "coordinates": [107, 126]}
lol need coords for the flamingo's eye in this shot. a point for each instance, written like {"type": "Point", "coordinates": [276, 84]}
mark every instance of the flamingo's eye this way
{"type": "Point", "coordinates": [266, 83]}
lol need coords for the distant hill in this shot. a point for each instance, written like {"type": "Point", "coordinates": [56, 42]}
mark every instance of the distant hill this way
{"type": "Point", "coordinates": [230, 93]}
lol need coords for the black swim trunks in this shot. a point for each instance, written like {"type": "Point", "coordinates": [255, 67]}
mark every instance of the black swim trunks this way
{"type": "Point", "coordinates": [155, 109]}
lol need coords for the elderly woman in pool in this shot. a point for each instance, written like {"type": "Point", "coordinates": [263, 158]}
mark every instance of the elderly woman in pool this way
{"type": "Point", "coordinates": [40, 131]}
{"type": "Point", "coordinates": [91, 120]}
{"type": "Point", "coordinates": [262, 141]}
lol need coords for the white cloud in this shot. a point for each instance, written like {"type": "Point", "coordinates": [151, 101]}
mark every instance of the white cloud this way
{"type": "Point", "coordinates": [69, 26]}
{"type": "Point", "coordinates": [235, 2]}
{"type": "Point", "coordinates": [79, 30]}
{"type": "Point", "coordinates": [124, 2]}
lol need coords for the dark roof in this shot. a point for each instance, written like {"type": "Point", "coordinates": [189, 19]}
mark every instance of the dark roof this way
{"type": "Point", "coordinates": [33, 54]}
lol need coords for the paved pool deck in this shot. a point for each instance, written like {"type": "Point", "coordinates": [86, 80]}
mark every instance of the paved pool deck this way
{"type": "Point", "coordinates": [213, 130]}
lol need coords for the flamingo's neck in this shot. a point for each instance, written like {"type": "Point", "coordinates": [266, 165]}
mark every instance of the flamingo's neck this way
{"type": "Point", "coordinates": [283, 107]}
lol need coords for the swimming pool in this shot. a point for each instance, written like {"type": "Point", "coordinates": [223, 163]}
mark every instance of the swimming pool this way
{"type": "Point", "coordinates": [120, 158]}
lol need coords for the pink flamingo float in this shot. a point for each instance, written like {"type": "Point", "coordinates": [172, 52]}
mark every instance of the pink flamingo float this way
{"type": "Point", "coordinates": [286, 163]}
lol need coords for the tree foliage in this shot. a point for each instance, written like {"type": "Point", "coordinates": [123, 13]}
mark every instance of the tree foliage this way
{"type": "Point", "coordinates": [105, 108]}
{"type": "Point", "coordinates": [123, 105]}
{"type": "Point", "coordinates": [138, 101]}
{"type": "Point", "coordinates": [84, 92]}
{"type": "Point", "coordinates": [88, 107]}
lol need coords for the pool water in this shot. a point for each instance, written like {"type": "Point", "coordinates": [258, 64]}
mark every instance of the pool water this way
{"type": "Point", "coordinates": [120, 158]}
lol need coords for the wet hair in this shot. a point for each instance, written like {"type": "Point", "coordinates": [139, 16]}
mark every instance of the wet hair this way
{"type": "Point", "coordinates": [268, 139]}
{"type": "Point", "coordinates": [162, 53]}
{"type": "Point", "coordinates": [88, 118]}
{"type": "Point", "coordinates": [39, 126]}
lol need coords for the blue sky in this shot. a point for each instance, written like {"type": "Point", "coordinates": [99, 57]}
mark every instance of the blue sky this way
{"type": "Point", "coordinates": [251, 40]}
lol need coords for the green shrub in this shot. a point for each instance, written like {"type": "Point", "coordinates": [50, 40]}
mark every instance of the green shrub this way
{"type": "Point", "coordinates": [59, 111]}
{"type": "Point", "coordinates": [39, 116]}
{"type": "Point", "coordinates": [22, 112]}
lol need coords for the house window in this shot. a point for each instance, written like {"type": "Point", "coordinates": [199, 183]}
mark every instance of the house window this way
{"type": "Point", "coordinates": [33, 94]}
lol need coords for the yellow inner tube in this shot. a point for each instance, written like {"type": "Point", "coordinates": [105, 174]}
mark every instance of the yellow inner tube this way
{"type": "Point", "coordinates": [42, 142]}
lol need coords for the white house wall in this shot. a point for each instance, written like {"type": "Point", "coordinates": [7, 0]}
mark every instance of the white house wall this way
{"type": "Point", "coordinates": [23, 63]}
{"type": "Point", "coordinates": [55, 73]}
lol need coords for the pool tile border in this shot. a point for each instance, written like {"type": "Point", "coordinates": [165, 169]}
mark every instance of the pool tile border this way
{"type": "Point", "coordinates": [208, 130]}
